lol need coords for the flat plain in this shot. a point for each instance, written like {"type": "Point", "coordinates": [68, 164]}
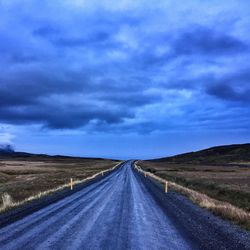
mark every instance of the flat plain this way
{"type": "Point", "coordinates": [23, 177]}
{"type": "Point", "coordinates": [221, 172]}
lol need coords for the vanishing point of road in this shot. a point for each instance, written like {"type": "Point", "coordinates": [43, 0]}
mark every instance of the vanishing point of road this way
{"type": "Point", "coordinates": [123, 210]}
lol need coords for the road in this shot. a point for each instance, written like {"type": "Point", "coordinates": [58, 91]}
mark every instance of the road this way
{"type": "Point", "coordinates": [121, 211]}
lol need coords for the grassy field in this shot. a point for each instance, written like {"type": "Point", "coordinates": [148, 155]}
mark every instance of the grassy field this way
{"type": "Point", "coordinates": [23, 177]}
{"type": "Point", "coordinates": [225, 183]}
{"type": "Point", "coordinates": [221, 172]}
{"type": "Point", "coordinates": [196, 192]}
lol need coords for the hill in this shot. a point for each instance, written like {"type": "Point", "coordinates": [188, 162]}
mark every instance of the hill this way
{"type": "Point", "coordinates": [221, 172]}
{"type": "Point", "coordinates": [228, 154]}
{"type": "Point", "coordinates": [9, 153]}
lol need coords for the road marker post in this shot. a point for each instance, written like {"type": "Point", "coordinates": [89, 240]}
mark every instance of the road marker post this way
{"type": "Point", "coordinates": [71, 183]}
{"type": "Point", "coordinates": [102, 173]}
{"type": "Point", "coordinates": [166, 187]}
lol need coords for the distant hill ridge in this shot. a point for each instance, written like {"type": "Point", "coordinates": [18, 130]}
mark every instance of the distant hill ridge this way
{"type": "Point", "coordinates": [7, 152]}
{"type": "Point", "coordinates": [228, 154]}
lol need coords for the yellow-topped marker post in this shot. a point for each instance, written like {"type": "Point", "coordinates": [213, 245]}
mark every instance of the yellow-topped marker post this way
{"type": "Point", "coordinates": [71, 183]}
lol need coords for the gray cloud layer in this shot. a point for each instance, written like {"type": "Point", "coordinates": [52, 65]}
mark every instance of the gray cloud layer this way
{"type": "Point", "coordinates": [123, 68]}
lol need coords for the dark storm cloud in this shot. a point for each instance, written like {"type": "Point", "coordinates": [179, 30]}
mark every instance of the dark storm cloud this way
{"type": "Point", "coordinates": [91, 31]}
{"type": "Point", "coordinates": [116, 69]}
{"type": "Point", "coordinates": [194, 41]}
{"type": "Point", "coordinates": [205, 41]}
{"type": "Point", "coordinates": [227, 92]}
{"type": "Point", "coordinates": [232, 87]}
{"type": "Point", "coordinates": [62, 116]}
{"type": "Point", "coordinates": [28, 106]}
{"type": "Point", "coordinates": [60, 101]}
{"type": "Point", "coordinates": [28, 87]}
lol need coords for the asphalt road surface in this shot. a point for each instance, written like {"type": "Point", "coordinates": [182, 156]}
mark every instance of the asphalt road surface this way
{"type": "Point", "coordinates": [123, 210]}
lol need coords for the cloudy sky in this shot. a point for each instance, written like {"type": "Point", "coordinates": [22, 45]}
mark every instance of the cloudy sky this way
{"type": "Point", "coordinates": [124, 79]}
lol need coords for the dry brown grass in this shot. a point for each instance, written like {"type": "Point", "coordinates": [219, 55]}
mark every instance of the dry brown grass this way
{"type": "Point", "coordinates": [221, 208]}
{"type": "Point", "coordinates": [224, 209]}
{"type": "Point", "coordinates": [226, 183]}
{"type": "Point", "coordinates": [25, 179]}
{"type": "Point", "coordinates": [8, 202]}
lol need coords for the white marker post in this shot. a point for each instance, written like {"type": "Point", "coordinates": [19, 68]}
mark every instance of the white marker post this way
{"type": "Point", "coordinates": [166, 187]}
{"type": "Point", "coordinates": [71, 183]}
